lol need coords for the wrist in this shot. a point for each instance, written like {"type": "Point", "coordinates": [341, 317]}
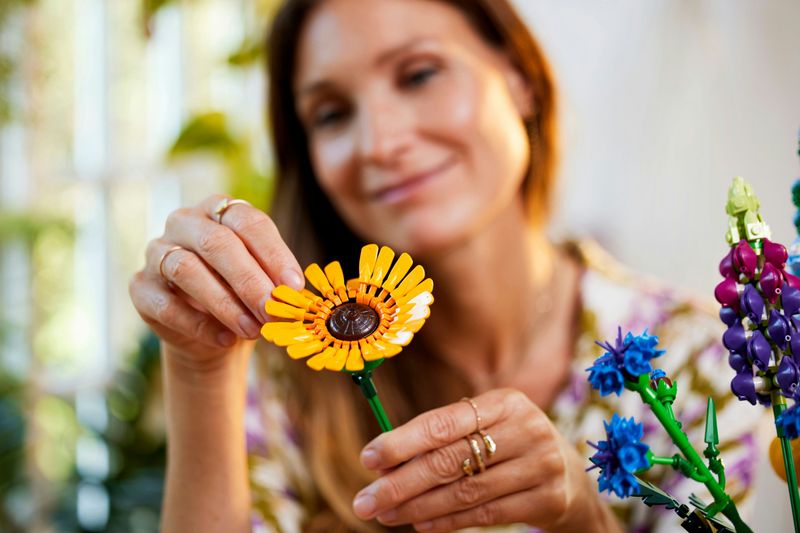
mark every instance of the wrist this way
{"type": "Point", "coordinates": [587, 510]}
{"type": "Point", "coordinates": [207, 372]}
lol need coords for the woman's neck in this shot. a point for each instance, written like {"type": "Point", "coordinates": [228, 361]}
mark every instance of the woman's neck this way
{"type": "Point", "coordinates": [487, 289]}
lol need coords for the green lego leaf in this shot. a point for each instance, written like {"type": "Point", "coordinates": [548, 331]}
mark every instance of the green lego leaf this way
{"type": "Point", "coordinates": [651, 495]}
{"type": "Point", "coordinates": [712, 436]}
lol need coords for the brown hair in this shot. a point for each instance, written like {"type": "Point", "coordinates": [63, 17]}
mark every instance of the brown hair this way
{"type": "Point", "coordinates": [332, 418]}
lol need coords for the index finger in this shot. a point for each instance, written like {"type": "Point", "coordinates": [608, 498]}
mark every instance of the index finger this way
{"type": "Point", "coordinates": [261, 237]}
{"type": "Point", "coordinates": [431, 430]}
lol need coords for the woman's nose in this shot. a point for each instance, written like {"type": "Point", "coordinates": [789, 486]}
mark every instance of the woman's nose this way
{"type": "Point", "coordinates": [384, 133]}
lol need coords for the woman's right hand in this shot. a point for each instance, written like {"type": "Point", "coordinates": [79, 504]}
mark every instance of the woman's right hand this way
{"type": "Point", "coordinates": [212, 300]}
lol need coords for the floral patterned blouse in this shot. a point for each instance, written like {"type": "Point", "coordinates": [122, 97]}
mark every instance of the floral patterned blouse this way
{"type": "Point", "coordinates": [611, 297]}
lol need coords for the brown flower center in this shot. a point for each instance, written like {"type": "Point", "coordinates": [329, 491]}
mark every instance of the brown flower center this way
{"type": "Point", "coordinates": [352, 321]}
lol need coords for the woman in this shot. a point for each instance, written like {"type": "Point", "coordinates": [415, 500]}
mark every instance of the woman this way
{"type": "Point", "coordinates": [429, 126]}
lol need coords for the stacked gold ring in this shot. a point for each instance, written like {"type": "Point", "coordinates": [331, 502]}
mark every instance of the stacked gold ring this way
{"type": "Point", "coordinates": [467, 465]}
{"type": "Point", "coordinates": [488, 441]}
{"type": "Point", "coordinates": [477, 454]}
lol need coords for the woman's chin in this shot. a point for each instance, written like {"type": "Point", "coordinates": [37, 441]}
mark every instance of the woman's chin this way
{"type": "Point", "coordinates": [423, 240]}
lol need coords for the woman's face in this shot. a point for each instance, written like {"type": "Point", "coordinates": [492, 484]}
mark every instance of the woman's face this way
{"type": "Point", "coordinates": [414, 121]}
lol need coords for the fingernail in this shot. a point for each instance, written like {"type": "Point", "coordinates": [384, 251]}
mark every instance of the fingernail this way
{"type": "Point", "coordinates": [369, 458]}
{"type": "Point", "coordinates": [226, 338]}
{"type": "Point", "coordinates": [249, 326]}
{"type": "Point", "coordinates": [293, 279]}
{"type": "Point", "coordinates": [262, 310]}
{"type": "Point", "coordinates": [423, 526]}
{"type": "Point", "coordinates": [364, 504]}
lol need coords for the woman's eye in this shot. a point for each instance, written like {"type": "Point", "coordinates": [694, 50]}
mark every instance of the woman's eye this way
{"type": "Point", "coordinates": [328, 116]}
{"type": "Point", "coordinates": [419, 76]}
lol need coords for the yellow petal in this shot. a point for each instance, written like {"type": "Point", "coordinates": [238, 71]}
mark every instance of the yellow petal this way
{"type": "Point", "coordinates": [369, 254]}
{"type": "Point", "coordinates": [423, 298]}
{"type": "Point", "coordinates": [318, 361]}
{"type": "Point", "coordinates": [400, 338]}
{"type": "Point", "coordinates": [282, 310]}
{"type": "Point", "coordinates": [288, 338]}
{"type": "Point", "coordinates": [316, 277]}
{"type": "Point", "coordinates": [425, 286]}
{"type": "Point", "coordinates": [298, 351]}
{"type": "Point", "coordinates": [411, 281]}
{"type": "Point", "coordinates": [386, 349]}
{"type": "Point", "coordinates": [310, 295]}
{"type": "Point", "coordinates": [382, 265]}
{"type": "Point", "coordinates": [292, 297]}
{"type": "Point", "coordinates": [416, 312]}
{"type": "Point", "coordinates": [412, 326]}
{"type": "Point", "coordinates": [335, 275]}
{"type": "Point", "coordinates": [270, 329]}
{"type": "Point", "coordinates": [354, 360]}
{"type": "Point", "coordinates": [399, 270]}
{"type": "Point", "coordinates": [370, 353]}
{"type": "Point", "coordinates": [338, 360]}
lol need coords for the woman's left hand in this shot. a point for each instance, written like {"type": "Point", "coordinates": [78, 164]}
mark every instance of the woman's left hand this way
{"type": "Point", "coordinates": [535, 476]}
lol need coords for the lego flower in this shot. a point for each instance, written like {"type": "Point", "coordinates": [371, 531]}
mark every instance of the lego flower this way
{"type": "Point", "coordinates": [620, 456]}
{"type": "Point", "coordinates": [625, 359]}
{"type": "Point", "coordinates": [789, 421]}
{"type": "Point", "coordinates": [605, 377]}
{"type": "Point", "coordinates": [346, 324]}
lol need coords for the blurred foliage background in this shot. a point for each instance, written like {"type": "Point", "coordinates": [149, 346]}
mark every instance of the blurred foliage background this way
{"type": "Point", "coordinates": [82, 445]}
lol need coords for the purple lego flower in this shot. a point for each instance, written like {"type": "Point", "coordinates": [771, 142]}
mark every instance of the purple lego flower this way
{"type": "Point", "coordinates": [770, 282]}
{"type": "Point", "coordinates": [727, 293]}
{"type": "Point", "coordinates": [779, 329]}
{"type": "Point", "coordinates": [752, 304]}
{"type": "Point", "coordinates": [775, 254]}
{"type": "Point", "coordinates": [620, 456]}
{"type": "Point", "coordinates": [787, 376]}
{"type": "Point", "coordinates": [745, 259]}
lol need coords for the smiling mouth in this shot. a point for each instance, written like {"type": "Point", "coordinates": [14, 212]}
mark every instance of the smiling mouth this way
{"type": "Point", "coordinates": [406, 187]}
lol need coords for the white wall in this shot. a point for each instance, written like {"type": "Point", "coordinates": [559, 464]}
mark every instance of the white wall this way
{"type": "Point", "coordinates": [663, 102]}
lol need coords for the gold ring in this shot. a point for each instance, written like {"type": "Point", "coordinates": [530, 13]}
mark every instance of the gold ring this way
{"type": "Point", "coordinates": [223, 206]}
{"type": "Point", "coordinates": [477, 454]}
{"type": "Point", "coordinates": [470, 401]}
{"type": "Point", "coordinates": [161, 263]}
{"type": "Point", "coordinates": [491, 446]}
{"type": "Point", "coordinates": [466, 467]}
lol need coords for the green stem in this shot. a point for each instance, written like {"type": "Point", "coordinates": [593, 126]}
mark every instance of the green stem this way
{"type": "Point", "coordinates": [696, 467]}
{"type": "Point", "coordinates": [380, 414]}
{"type": "Point", "coordinates": [364, 382]}
{"type": "Point", "coordinates": [779, 406]}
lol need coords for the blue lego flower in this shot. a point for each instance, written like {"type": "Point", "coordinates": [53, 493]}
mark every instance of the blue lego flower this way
{"type": "Point", "coordinates": [641, 350]}
{"type": "Point", "coordinates": [789, 421]}
{"type": "Point", "coordinates": [657, 374]}
{"type": "Point", "coordinates": [620, 456]}
{"type": "Point", "coordinates": [605, 377]}
{"type": "Point", "coordinates": [629, 358]}
{"type": "Point", "coordinates": [636, 362]}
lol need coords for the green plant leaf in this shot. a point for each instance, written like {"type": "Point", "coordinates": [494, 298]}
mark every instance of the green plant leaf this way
{"type": "Point", "coordinates": [206, 132]}
{"type": "Point", "coordinates": [248, 53]}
